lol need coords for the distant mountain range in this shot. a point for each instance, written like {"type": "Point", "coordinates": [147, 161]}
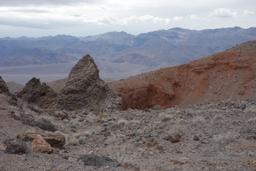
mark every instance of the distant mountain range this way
{"type": "Point", "coordinates": [121, 54]}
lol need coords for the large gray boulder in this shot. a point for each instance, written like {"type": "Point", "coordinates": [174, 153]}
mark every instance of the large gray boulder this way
{"type": "Point", "coordinates": [85, 89]}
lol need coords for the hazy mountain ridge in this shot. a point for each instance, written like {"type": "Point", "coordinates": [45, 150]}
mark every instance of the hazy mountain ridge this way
{"type": "Point", "coordinates": [173, 46]}
{"type": "Point", "coordinates": [118, 54]}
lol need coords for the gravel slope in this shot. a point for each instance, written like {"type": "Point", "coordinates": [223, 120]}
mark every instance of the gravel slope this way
{"type": "Point", "coordinates": [204, 137]}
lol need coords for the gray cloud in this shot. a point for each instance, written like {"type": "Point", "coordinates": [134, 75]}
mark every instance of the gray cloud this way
{"type": "Point", "coordinates": [44, 2]}
{"type": "Point", "coordinates": [29, 10]}
{"type": "Point", "coordinates": [37, 24]}
{"type": "Point", "coordinates": [86, 17]}
{"type": "Point", "coordinates": [22, 23]}
{"type": "Point", "coordinates": [223, 13]}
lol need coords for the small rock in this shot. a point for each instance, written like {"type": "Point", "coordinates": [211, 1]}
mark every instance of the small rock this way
{"type": "Point", "coordinates": [82, 140]}
{"type": "Point", "coordinates": [196, 138]}
{"type": "Point", "coordinates": [122, 122]}
{"type": "Point", "coordinates": [15, 147]}
{"type": "Point", "coordinates": [80, 119]}
{"type": "Point", "coordinates": [130, 167]}
{"type": "Point", "coordinates": [73, 141]}
{"type": "Point", "coordinates": [98, 161]}
{"type": "Point", "coordinates": [60, 115]}
{"type": "Point", "coordinates": [175, 138]}
{"type": "Point", "coordinates": [180, 161]}
{"type": "Point", "coordinates": [2, 147]}
{"type": "Point", "coordinates": [45, 124]}
{"type": "Point", "coordinates": [56, 140]}
{"type": "Point", "coordinates": [39, 145]}
{"type": "Point", "coordinates": [243, 106]}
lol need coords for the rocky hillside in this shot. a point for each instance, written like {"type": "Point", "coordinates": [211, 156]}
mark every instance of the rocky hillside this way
{"type": "Point", "coordinates": [197, 138]}
{"type": "Point", "coordinates": [225, 75]}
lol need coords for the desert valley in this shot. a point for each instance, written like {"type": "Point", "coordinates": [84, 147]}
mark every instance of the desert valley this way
{"type": "Point", "coordinates": [138, 85]}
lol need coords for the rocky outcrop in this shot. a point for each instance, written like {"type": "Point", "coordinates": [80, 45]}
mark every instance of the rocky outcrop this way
{"type": "Point", "coordinates": [38, 93]}
{"type": "Point", "coordinates": [226, 75]}
{"type": "Point", "coordinates": [85, 89]}
{"type": "Point", "coordinates": [3, 87]}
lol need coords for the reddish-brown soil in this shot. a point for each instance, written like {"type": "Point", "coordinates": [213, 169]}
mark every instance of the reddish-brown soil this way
{"type": "Point", "coordinates": [226, 75]}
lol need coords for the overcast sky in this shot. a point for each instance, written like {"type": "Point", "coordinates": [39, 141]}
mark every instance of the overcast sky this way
{"type": "Point", "coordinates": [88, 17]}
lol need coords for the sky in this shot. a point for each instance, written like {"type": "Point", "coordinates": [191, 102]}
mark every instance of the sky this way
{"type": "Point", "coordinates": [35, 18]}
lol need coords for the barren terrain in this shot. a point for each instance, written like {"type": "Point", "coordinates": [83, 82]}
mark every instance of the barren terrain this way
{"type": "Point", "coordinates": [226, 75]}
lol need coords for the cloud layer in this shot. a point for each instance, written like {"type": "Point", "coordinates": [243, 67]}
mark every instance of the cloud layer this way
{"type": "Point", "coordinates": [44, 2]}
{"type": "Point", "coordinates": [223, 13]}
{"type": "Point", "coordinates": [84, 17]}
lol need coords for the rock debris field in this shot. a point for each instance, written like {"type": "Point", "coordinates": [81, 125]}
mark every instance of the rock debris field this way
{"type": "Point", "coordinates": [203, 137]}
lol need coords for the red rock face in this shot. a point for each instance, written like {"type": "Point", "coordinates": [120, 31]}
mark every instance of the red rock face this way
{"type": "Point", "coordinates": [145, 97]}
{"type": "Point", "coordinates": [226, 75]}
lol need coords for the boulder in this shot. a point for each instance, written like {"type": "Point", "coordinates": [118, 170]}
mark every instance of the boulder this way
{"type": "Point", "coordinates": [15, 147]}
{"type": "Point", "coordinates": [56, 140]}
{"type": "Point", "coordinates": [98, 161]}
{"type": "Point", "coordinates": [39, 145]}
{"type": "Point", "coordinates": [174, 138]}
{"type": "Point", "coordinates": [45, 124]}
{"type": "Point", "coordinates": [85, 89]}
{"type": "Point", "coordinates": [38, 93]}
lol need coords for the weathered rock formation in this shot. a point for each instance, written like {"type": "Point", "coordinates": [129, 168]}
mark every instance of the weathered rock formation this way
{"type": "Point", "coordinates": [226, 75]}
{"type": "Point", "coordinates": [85, 89]}
{"type": "Point", "coordinates": [38, 93]}
{"type": "Point", "coordinates": [3, 87]}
